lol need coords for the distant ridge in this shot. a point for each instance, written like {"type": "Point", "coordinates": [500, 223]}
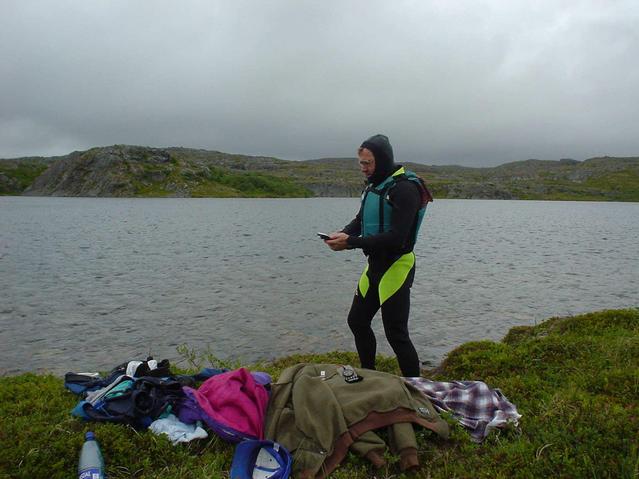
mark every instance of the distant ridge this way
{"type": "Point", "coordinates": [138, 171]}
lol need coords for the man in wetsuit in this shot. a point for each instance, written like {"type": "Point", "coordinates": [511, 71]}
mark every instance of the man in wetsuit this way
{"type": "Point", "coordinates": [386, 227]}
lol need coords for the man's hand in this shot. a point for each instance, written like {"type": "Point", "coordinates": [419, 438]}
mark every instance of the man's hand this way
{"type": "Point", "coordinates": [338, 241]}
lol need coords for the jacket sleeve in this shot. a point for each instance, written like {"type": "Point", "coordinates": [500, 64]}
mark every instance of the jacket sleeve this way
{"type": "Point", "coordinates": [370, 446]}
{"type": "Point", "coordinates": [354, 228]}
{"type": "Point", "coordinates": [406, 201]}
{"type": "Point", "coordinates": [403, 442]}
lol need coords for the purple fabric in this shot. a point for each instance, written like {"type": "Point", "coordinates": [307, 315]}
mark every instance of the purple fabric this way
{"type": "Point", "coordinates": [189, 411]}
{"type": "Point", "coordinates": [261, 378]}
{"type": "Point", "coordinates": [232, 404]}
{"type": "Point", "coordinates": [194, 412]}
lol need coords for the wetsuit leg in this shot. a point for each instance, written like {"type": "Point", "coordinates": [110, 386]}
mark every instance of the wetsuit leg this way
{"type": "Point", "coordinates": [395, 312]}
{"type": "Point", "coordinates": [360, 316]}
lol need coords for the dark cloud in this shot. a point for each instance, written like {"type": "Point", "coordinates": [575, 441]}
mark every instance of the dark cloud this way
{"type": "Point", "coordinates": [475, 83]}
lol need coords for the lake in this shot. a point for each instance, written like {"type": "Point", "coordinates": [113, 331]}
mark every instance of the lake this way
{"type": "Point", "coordinates": [87, 283]}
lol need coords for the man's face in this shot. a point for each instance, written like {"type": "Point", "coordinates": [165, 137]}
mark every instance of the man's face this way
{"type": "Point", "coordinates": [366, 162]}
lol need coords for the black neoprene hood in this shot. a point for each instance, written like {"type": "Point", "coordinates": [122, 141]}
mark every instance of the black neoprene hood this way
{"type": "Point", "coordinates": [382, 150]}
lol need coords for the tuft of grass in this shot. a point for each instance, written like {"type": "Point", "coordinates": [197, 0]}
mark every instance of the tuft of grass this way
{"type": "Point", "coordinates": [575, 380]}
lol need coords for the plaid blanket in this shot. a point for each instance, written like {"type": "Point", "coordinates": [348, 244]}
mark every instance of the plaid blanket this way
{"type": "Point", "coordinates": [478, 408]}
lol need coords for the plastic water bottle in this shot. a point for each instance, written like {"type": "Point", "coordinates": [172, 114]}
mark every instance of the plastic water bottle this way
{"type": "Point", "coordinates": [91, 464]}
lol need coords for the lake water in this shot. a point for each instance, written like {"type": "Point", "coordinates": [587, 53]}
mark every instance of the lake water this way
{"type": "Point", "coordinates": [86, 283]}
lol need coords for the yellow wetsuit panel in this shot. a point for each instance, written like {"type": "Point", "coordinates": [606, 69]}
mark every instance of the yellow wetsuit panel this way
{"type": "Point", "coordinates": [364, 283]}
{"type": "Point", "coordinates": [395, 276]}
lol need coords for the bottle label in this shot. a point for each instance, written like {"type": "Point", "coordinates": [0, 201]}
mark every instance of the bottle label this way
{"type": "Point", "coordinates": [91, 473]}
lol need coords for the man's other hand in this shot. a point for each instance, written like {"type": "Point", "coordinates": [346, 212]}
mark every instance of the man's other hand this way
{"type": "Point", "coordinates": [338, 241]}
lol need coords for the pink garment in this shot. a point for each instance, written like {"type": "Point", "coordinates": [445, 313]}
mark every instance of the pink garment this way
{"type": "Point", "coordinates": [235, 400]}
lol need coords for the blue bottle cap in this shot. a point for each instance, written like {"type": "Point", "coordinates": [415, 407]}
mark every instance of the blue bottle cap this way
{"type": "Point", "coordinates": [89, 436]}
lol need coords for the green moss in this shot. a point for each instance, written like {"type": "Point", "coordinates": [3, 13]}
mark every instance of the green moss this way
{"type": "Point", "coordinates": [212, 189]}
{"type": "Point", "coordinates": [605, 186]}
{"type": "Point", "coordinates": [261, 185]}
{"type": "Point", "coordinates": [198, 181]}
{"type": "Point", "coordinates": [20, 174]}
{"type": "Point", "coordinates": [575, 380]}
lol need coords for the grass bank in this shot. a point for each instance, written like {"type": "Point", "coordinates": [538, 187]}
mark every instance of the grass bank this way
{"type": "Point", "coordinates": [17, 175]}
{"type": "Point", "coordinates": [575, 380]}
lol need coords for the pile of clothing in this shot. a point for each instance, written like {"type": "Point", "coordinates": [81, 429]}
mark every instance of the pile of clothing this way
{"type": "Point", "coordinates": [144, 394]}
{"type": "Point", "coordinates": [306, 422]}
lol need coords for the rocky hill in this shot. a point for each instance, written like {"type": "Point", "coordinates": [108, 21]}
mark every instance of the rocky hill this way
{"type": "Point", "coordinates": [597, 179]}
{"type": "Point", "coordinates": [128, 171]}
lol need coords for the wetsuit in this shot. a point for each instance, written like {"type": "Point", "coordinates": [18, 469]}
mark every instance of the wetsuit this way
{"type": "Point", "coordinates": [391, 264]}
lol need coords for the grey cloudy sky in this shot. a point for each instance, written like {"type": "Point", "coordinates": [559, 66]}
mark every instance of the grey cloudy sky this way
{"type": "Point", "coordinates": [471, 82]}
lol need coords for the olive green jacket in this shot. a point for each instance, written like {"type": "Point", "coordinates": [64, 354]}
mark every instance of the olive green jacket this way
{"type": "Point", "coordinates": [318, 416]}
